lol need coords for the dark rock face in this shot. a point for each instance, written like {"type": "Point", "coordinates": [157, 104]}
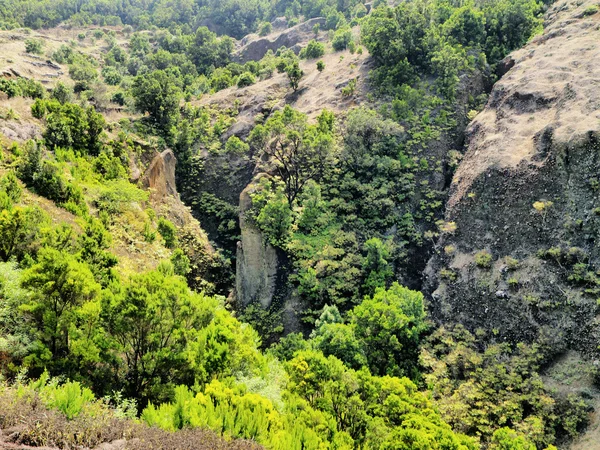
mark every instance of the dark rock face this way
{"type": "Point", "coordinates": [526, 192]}
{"type": "Point", "coordinates": [254, 47]}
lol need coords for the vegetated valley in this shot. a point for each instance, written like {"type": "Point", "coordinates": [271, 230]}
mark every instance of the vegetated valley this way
{"type": "Point", "coordinates": [308, 224]}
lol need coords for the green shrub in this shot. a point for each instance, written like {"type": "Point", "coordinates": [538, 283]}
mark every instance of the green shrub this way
{"type": "Point", "coordinates": [112, 77]}
{"type": "Point", "coordinates": [483, 259]}
{"type": "Point", "coordinates": [590, 10]}
{"type": "Point", "coordinates": [265, 28]}
{"type": "Point", "coordinates": [117, 196]}
{"type": "Point", "coordinates": [312, 50]}
{"type": "Point", "coordinates": [341, 39]}
{"type": "Point", "coordinates": [246, 79]}
{"type": "Point", "coordinates": [168, 232]}
{"type": "Point", "coordinates": [33, 45]}
{"type": "Point", "coordinates": [320, 66]}
{"type": "Point", "coordinates": [61, 93]}
{"type": "Point", "coordinates": [235, 146]}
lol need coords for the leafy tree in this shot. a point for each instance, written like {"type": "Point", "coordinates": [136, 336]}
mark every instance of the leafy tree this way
{"type": "Point", "coordinates": [60, 284]}
{"type": "Point", "coordinates": [112, 77]}
{"type": "Point", "coordinates": [265, 28]}
{"type": "Point", "coordinates": [342, 39]}
{"type": "Point", "coordinates": [61, 93]}
{"type": "Point", "coordinates": [274, 216]}
{"type": "Point", "coordinates": [168, 232]}
{"type": "Point", "coordinates": [466, 26]}
{"type": "Point", "coordinates": [93, 244]}
{"type": "Point", "coordinates": [294, 73]}
{"type": "Point", "coordinates": [300, 152]}
{"type": "Point", "coordinates": [181, 263]}
{"type": "Point", "coordinates": [339, 340]}
{"type": "Point", "coordinates": [147, 318]}
{"type": "Point", "coordinates": [84, 71]}
{"type": "Point", "coordinates": [246, 79]}
{"type": "Point", "coordinates": [376, 265]}
{"type": "Point", "coordinates": [71, 126]}
{"type": "Point", "coordinates": [19, 231]}
{"type": "Point", "coordinates": [157, 93]}
{"type": "Point", "coordinates": [390, 325]}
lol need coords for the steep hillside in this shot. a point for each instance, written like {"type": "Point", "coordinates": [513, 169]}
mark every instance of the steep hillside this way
{"type": "Point", "coordinates": [523, 260]}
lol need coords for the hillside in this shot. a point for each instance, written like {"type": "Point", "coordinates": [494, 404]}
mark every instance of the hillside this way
{"type": "Point", "coordinates": [307, 225]}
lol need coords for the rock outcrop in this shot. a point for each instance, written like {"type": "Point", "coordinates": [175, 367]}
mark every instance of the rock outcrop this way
{"type": "Point", "coordinates": [255, 47]}
{"type": "Point", "coordinates": [259, 274]}
{"type": "Point", "coordinates": [525, 199]}
{"type": "Point", "coordinates": [159, 180]}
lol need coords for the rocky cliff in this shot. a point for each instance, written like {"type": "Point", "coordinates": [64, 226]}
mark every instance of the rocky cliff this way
{"type": "Point", "coordinates": [254, 47]}
{"type": "Point", "coordinates": [523, 260]}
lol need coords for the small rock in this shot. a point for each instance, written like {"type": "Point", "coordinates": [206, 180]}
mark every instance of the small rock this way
{"type": "Point", "coordinates": [501, 294]}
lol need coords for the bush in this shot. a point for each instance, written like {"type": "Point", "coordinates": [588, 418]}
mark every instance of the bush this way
{"type": "Point", "coordinates": [118, 195]}
{"type": "Point", "coordinates": [168, 232]}
{"type": "Point", "coordinates": [313, 50]}
{"type": "Point", "coordinates": [112, 77]}
{"type": "Point", "coordinates": [246, 79]}
{"type": "Point", "coordinates": [83, 71]}
{"type": "Point", "coordinates": [235, 146]}
{"type": "Point", "coordinates": [265, 29]}
{"type": "Point", "coordinates": [320, 66]}
{"type": "Point", "coordinates": [61, 93]}
{"type": "Point", "coordinates": [34, 46]}
{"type": "Point", "coordinates": [341, 39]}
{"type": "Point", "coordinates": [483, 259]}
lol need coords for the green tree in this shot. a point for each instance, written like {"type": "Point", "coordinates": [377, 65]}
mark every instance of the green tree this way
{"type": "Point", "coordinates": [19, 231]}
{"type": "Point", "coordinates": [94, 243]}
{"type": "Point", "coordinates": [62, 93]}
{"type": "Point", "coordinates": [301, 152]}
{"type": "Point", "coordinates": [312, 50]}
{"type": "Point", "coordinates": [390, 325]}
{"type": "Point", "coordinates": [147, 318]}
{"type": "Point", "coordinates": [158, 94]}
{"type": "Point", "coordinates": [33, 45]}
{"type": "Point", "coordinates": [294, 73]}
{"type": "Point", "coordinates": [376, 265]}
{"type": "Point", "coordinates": [59, 283]}
{"type": "Point", "coordinates": [168, 232]}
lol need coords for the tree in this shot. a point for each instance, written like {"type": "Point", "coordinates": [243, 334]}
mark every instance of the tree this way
{"type": "Point", "coordinates": [93, 244]}
{"type": "Point", "coordinates": [390, 324]}
{"type": "Point", "coordinates": [265, 28]}
{"type": "Point", "coordinates": [168, 232]}
{"type": "Point", "coordinates": [19, 231]}
{"type": "Point", "coordinates": [376, 266]}
{"type": "Point", "coordinates": [300, 152]}
{"type": "Point", "coordinates": [60, 283]}
{"type": "Point", "coordinates": [157, 93]}
{"type": "Point", "coordinates": [341, 39]}
{"type": "Point", "coordinates": [294, 73]}
{"type": "Point", "coordinates": [61, 93]}
{"type": "Point", "coordinates": [146, 318]}
{"type": "Point", "coordinates": [246, 79]}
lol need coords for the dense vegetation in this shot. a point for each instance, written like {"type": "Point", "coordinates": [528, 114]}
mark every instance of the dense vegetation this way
{"type": "Point", "coordinates": [351, 200]}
